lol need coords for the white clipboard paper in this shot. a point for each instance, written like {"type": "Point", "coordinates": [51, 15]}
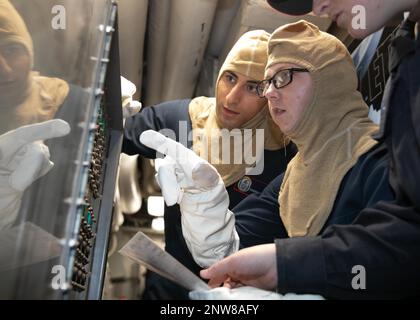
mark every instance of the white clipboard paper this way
{"type": "Point", "coordinates": [144, 250]}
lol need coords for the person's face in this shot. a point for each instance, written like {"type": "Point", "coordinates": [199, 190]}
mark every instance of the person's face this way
{"type": "Point", "coordinates": [15, 64]}
{"type": "Point", "coordinates": [237, 100]}
{"type": "Point", "coordinates": [288, 103]}
{"type": "Point", "coordinates": [347, 14]}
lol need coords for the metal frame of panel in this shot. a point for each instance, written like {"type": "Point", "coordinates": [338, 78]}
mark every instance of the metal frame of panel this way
{"type": "Point", "coordinates": [107, 87]}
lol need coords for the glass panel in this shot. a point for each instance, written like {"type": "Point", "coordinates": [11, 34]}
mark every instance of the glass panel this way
{"type": "Point", "coordinates": [49, 63]}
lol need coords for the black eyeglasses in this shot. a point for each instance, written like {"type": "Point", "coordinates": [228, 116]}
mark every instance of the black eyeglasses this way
{"type": "Point", "coordinates": [280, 79]}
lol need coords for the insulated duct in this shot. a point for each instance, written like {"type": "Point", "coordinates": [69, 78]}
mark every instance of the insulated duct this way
{"type": "Point", "coordinates": [132, 16]}
{"type": "Point", "coordinates": [189, 28]}
{"type": "Point", "coordinates": [157, 42]}
{"type": "Point", "coordinates": [225, 13]}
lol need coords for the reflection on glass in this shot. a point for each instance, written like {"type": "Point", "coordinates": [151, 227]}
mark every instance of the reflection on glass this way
{"type": "Point", "coordinates": [25, 98]}
{"type": "Point", "coordinates": [45, 75]}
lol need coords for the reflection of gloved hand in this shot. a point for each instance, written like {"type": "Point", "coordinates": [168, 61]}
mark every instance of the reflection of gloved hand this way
{"type": "Point", "coordinates": [130, 106]}
{"type": "Point", "coordinates": [247, 293]}
{"type": "Point", "coordinates": [24, 159]}
{"type": "Point", "coordinates": [185, 178]}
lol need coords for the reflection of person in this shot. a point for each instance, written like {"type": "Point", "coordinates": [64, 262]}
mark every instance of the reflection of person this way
{"type": "Point", "coordinates": [383, 239]}
{"type": "Point", "coordinates": [236, 105]}
{"type": "Point", "coordinates": [338, 171]}
{"type": "Point", "coordinates": [25, 99]}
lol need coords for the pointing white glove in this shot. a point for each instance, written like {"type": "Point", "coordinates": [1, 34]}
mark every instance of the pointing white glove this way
{"type": "Point", "coordinates": [24, 159]}
{"type": "Point", "coordinates": [185, 178]}
{"type": "Point", "coordinates": [247, 293]}
{"type": "Point", "coordinates": [130, 106]}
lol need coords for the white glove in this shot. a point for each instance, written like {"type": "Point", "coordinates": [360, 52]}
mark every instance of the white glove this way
{"type": "Point", "coordinates": [130, 106]}
{"type": "Point", "coordinates": [247, 293]}
{"type": "Point", "coordinates": [24, 159]}
{"type": "Point", "coordinates": [185, 178]}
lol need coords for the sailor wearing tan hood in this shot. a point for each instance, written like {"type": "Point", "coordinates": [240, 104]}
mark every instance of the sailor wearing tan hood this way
{"type": "Point", "coordinates": [328, 123]}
